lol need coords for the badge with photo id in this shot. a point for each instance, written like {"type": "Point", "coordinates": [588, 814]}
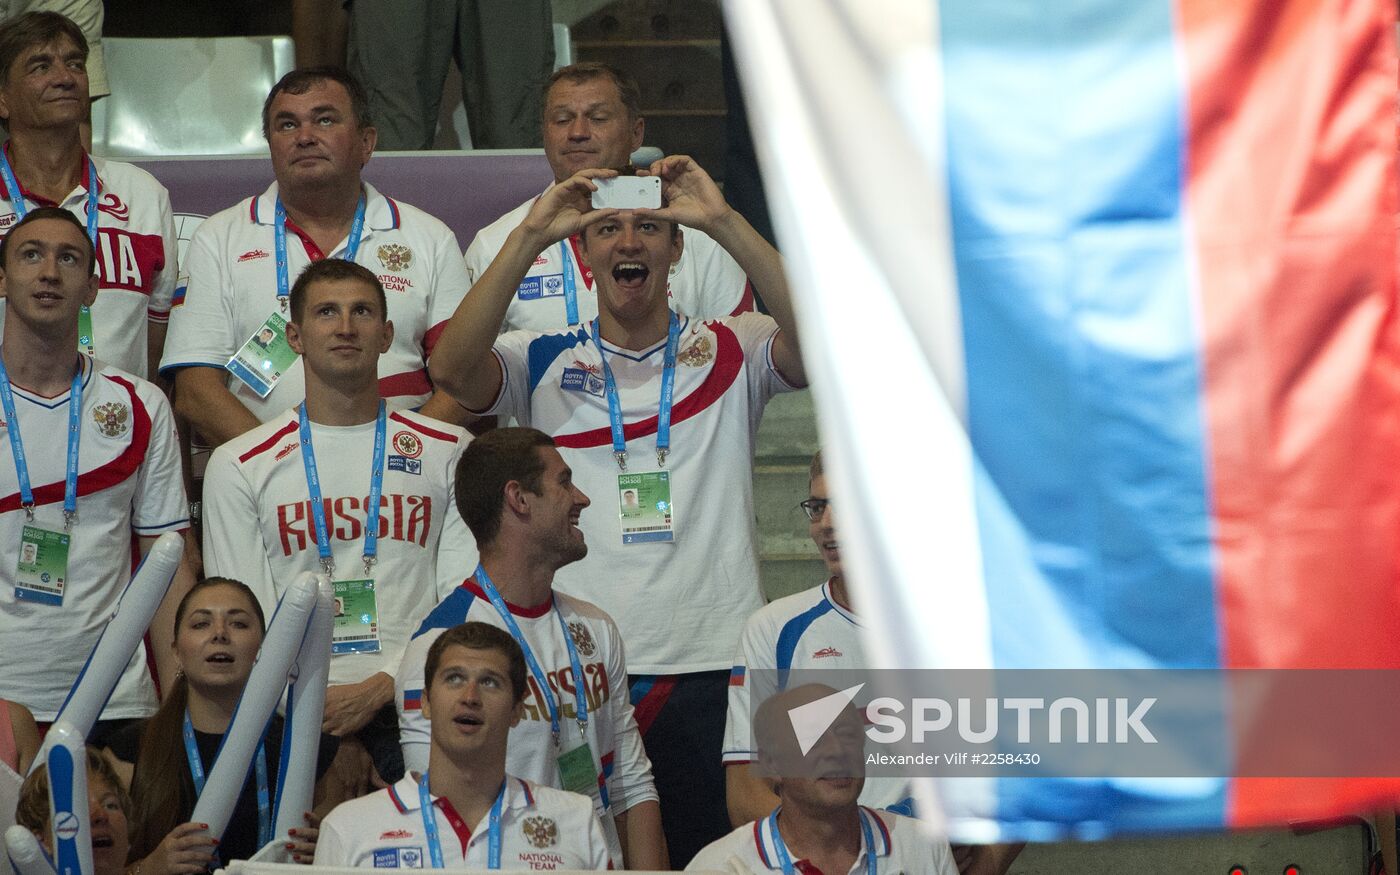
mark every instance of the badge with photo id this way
{"type": "Point", "coordinates": [577, 772]}
{"type": "Point", "coordinates": [87, 344]}
{"type": "Point", "coordinates": [264, 358]}
{"type": "Point", "coordinates": [356, 618]}
{"type": "Point", "coordinates": [645, 508]}
{"type": "Point", "coordinates": [43, 566]}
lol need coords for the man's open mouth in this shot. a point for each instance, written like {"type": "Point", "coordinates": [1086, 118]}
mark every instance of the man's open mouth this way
{"type": "Point", "coordinates": [630, 273]}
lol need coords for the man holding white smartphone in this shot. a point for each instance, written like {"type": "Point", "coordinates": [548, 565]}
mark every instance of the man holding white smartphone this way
{"type": "Point", "coordinates": [666, 406]}
{"type": "Point", "coordinates": [591, 119]}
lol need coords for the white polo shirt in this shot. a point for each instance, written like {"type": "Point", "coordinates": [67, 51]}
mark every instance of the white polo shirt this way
{"type": "Point", "coordinates": [624, 771]}
{"type": "Point", "coordinates": [129, 483]}
{"type": "Point", "coordinates": [901, 846]}
{"type": "Point", "coordinates": [136, 255]}
{"type": "Point", "coordinates": [541, 828]}
{"type": "Point", "coordinates": [706, 283]}
{"type": "Point", "coordinates": [232, 269]}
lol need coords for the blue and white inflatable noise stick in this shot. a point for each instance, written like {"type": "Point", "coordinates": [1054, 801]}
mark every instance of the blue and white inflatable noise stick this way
{"type": "Point", "coordinates": [306, 700]}
{"type": "Point", "coordinates": [68, 801]}
{"type": "Point", "coordinates": [26, 854]}
{"type": "Point", "coordinates": [120, 639]}
{"type": "Point", "coordinates": [269, 677]}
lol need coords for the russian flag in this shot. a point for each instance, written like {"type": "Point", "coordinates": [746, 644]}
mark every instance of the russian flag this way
{"type": "Point", "coordinates": [1098, 300]}
{"type": "Point", "coordinates": [412, 700]}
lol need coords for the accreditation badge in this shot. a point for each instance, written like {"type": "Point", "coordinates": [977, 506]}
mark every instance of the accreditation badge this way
{"type": "Point", "coordinates": [577, 772]}
{"type": "Point", "coordinates": [43, 566]}
{"type": "Point", "coordinates": [644, 507]}
{"type": "Point", "coordinates": [87, 342]}
{"type": "Point", "coordinates": [264, 358]}
{"type": "Point", "coordinates": [356, 627]}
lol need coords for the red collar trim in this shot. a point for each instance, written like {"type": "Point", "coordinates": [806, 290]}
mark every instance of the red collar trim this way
{"type": "Point", "coordinates": [459, 826]}
{"type": "Point", "coordinates": [535, 612]}
{"type": "Point", "coordinates": [313, 251]}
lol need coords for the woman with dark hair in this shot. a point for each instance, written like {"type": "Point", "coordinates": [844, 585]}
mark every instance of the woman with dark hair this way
{"type": "Point", "coordinates": [218, 631]}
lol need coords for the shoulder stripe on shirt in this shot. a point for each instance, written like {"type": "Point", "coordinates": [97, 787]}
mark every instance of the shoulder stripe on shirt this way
{"type": "Point", "coordinates": [543, 350]}
{"type": "Point", "coordinates": [791, 633]}
{"type": "Point", "coordinates": [270, 442]}
{"type": "Point", "coordinates": [430, 337]}
{"type": "Point", "coordinates": [423, 429]}
{"type": "Point", "coordinates": [393, 209]}
{"type": "Point", "coordinates": [407, 383]}
{"type": "Point", "coordinates": [745, 304]}
{"type": "Point", "coordinates": [729, 361]}
{"type": "Point", "coordinates": [105, 476]}
{"type": "Point", "coordinates": [449, 612]}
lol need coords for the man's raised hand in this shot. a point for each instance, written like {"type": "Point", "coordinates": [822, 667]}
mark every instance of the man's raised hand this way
{"type": "Point", "coordinates": [566, 208]}
{"type": "Point", "coordinates": [691, 197]}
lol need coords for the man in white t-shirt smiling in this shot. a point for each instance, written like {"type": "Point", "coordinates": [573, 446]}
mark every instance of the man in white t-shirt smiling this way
{"type": "Point", "coordinates": [578, 732]}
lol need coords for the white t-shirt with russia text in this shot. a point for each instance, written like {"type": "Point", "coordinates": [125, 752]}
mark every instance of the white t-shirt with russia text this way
{"type": "Point", "coordinates": [232, 268]}
{"type": "Point", "coordinates": [258, 525]}
{"type": "Point", "coordinates": [129, 484]}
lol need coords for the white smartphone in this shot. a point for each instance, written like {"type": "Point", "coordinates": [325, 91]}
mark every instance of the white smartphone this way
{"type": "Point", "coordinates": [627, 193]}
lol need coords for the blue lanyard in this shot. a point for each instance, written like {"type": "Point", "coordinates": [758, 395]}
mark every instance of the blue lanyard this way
{"type": "Point", "coordinates": [75, 420]}
{"type": "Point", "coordinates": [493, 835]}
{"type": "Point", "coordinates": [21, 210]}
{"type": "Point", "coordinates": [785, 859]}
{"type": "Point", "coordinates": [668, 385]}
{"type": "Point", "coordinates": [580, 702]}
{"type": "Point", "coordinates": [279, 236]}
{"type": "Point", "coordinates": [570, 286]}
{"type": "Point", "coordinates": [260, 769]}
{"type": "Point", "coordinates": [318, 507]}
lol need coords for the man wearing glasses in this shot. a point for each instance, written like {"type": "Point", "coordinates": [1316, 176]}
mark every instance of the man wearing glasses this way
{"type": "Point", "coordinates": [813, 629]}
